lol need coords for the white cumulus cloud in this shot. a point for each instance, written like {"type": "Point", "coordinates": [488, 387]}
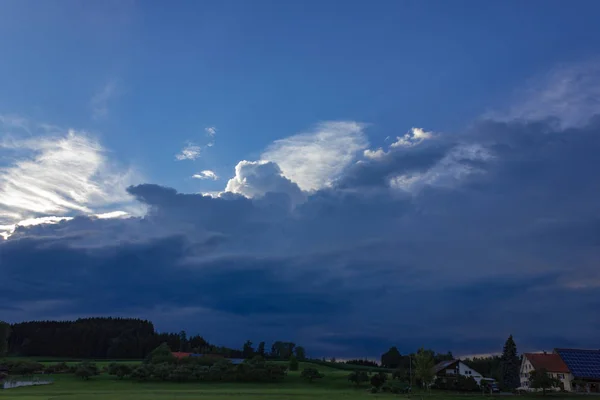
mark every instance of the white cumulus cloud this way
{"type": "Point", "coordinates": [257, 178]}
{"type": "Point", "coordinates": [189, 152]}
{"type": "Point", "coordinates": [412, 138]}
{"type": "Point", "coordinates": [374, 154]}
{"type": "Point", "coordinates": [206, 174]}
{"type": "Point", "coordinates": [315, 159]}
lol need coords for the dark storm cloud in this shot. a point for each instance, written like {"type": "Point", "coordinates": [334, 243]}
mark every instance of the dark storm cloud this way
{"type": "Point", "coordinates": [500, 237]}
{"type": "Point", "coordinates": [398, 161]}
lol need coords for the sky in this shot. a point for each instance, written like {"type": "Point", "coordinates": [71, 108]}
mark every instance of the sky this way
{"type": "Point", "coordinates": [348, 175]}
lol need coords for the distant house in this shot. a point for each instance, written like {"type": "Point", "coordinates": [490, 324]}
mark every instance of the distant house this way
{"type": "Point", "coordinates": [584, 367]}
{"type": "Point", "coordinates": [453, 368]}
{"type": "Point", "coordinates": [552, 363]}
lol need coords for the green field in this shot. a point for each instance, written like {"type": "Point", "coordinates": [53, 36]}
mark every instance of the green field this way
{"type": "Point", "coordinates": [105, 387]}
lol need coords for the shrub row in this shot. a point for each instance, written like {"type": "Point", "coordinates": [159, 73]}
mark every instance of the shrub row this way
{"type": "Point", "coordinates": [349, 367]}
{"type": "Point", "coordinates": [457, 383]}
{"type": "Point", "coordinates": [256, 370]}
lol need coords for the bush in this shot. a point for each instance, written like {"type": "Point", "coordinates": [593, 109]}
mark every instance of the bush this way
{"type": "Point", "coordinates": [294, 365]}
{"type": "Point", "coordinates": [457, 383]}
{"type": "Point", "coordinates": [374, 389]}
{"type": "Point", "coordinates": [392, 387]}
{"type": "Point", "coordinates": [378, 379]}
{"type": "Point", "coordinates": [59, 368]}
{"type": "Point", "coordinates": [84, 370]}
{"type": "Point", "coordinates": [120, 370]}
{"type": "Point", "coordinates": [162, 371]}
{"type": "Point", "coordinates": [181, 373]}
{"type": "Point", "coordinates": [161, 355]}
{"type": "Point", "coordinates": [24, 368]}
{"type": "Point", "coordinates": [142, 373]}
{"type": "Point", "coordinates": [358, 377]}
{"type": "Point", "coordinates": [310, 374]}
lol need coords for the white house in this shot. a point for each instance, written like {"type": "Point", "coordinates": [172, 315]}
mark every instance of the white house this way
{"type": "Point", "coordinates": [552, 363]}
{"type": "Point", "coordinates": [454, 368]}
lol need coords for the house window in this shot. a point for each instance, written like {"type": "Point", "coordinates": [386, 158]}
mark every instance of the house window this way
{"type": "Point", "coordinates": [560, 376]}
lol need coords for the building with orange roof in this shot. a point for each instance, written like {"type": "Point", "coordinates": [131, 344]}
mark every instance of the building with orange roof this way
{"type": "Point", "coordinates": [551, 362]}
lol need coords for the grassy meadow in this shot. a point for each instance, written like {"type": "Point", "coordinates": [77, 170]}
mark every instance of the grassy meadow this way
{"type": "Point", "coordinates": [333, 386]}
{"type": "Point", "coordinates": [105, 387]}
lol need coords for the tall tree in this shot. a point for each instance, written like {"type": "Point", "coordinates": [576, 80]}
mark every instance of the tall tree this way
{"type": "Point", "coordinates": [424, 364]}
{"type": "Point", "coordinates": [509, 365]}
{"type": "Point", "coordinates": [183, 342]}
{"type": "Point", "coordinates": [4, 334]}
{"type": "Point", "coordinates": [261, 349]}
{"type": "Point", "coordinates": [300, 353]}
{"type": "Point", "coordinates": [282, 350]}
{"type": "Point", "coordinates": [391, 358]}
{"type": "Point", "coordinates": [276, 349]}
{"type": "Point", "coordinates": [248, 351]}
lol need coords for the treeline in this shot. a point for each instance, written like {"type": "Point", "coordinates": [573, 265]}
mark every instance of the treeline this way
{"type": "Point", "coordinates": [114, 338]}
{"type": "Point", "coordinates": [394, 360]}
{"type": "Point", "coordinates": [119, 338]}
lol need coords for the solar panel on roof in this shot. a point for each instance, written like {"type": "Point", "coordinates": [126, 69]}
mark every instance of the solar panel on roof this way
{"type": "Point", "coordinates": [582, 363]}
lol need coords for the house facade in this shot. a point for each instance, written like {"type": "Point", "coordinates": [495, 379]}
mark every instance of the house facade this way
{"type": "Point", "coordinates": [453, 368]}
{"type": "Point", "coordinates": [552, 363]}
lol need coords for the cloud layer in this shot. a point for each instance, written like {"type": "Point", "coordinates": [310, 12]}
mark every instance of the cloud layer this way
{"type": "Point", "coordinates": [57, 174]}
{"type": "Point", "coordinates": [480, 233]}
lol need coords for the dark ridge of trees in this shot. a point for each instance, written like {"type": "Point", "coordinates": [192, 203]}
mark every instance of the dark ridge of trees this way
{"type": "Point", "coordinates": [85, 338]}
{"type": "Point", "coordinates": [394, 360]}
{"type": "Point", "coordinates": [117, 338]}
{"type": "Point", "coordinates": [4, 334]}
{"type": "Point", "coordinates": [111, 338]}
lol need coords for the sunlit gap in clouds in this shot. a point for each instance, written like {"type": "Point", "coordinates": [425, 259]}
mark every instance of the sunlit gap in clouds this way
{"type": "Point", "coordinates": [52, 175]}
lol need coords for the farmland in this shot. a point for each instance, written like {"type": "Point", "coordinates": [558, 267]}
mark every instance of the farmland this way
{"type": "Point", "coordinates": [334, 386]}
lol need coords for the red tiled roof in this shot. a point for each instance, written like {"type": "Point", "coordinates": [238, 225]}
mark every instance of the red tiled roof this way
{"type": "Point", "coordinates": [549, 362]}
{"type": "Point", "coordinates": [179, 354]}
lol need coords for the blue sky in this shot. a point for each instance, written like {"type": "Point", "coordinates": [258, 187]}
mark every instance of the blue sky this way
{"type": "Point", "coordinates": [407, 152]}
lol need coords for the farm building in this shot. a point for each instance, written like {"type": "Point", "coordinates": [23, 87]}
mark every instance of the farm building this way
{"type": "Point", "coordinates": [578, 370]}
{"type": "Point", "coordinates": [584, 366]}
{"type": "Point", "coordinates": [552, 363]}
